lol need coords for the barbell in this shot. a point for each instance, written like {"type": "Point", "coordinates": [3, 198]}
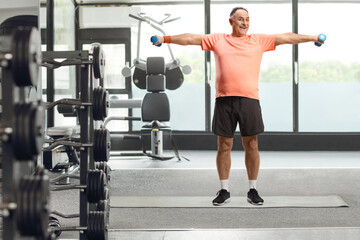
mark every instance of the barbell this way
{"type": "Point", "coordinates": [99, 105]}
{"type": "Point", "coordinates": [96, 186]}
{"type": "Point", "coordinates": [97, 226]}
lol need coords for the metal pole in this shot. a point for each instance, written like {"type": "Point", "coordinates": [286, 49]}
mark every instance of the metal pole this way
{"type": "Point", "coordinates": [50, 90]}
{"type": "Point", "coordinates": [84, 119]}
{"type": "Point", "coordinates": [295, 66]}
{"type": "Point", "coordinates": [207, 70]}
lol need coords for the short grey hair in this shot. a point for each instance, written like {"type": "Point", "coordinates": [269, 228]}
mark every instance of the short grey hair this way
{"type": "Point", "coordinates": [235, 9]}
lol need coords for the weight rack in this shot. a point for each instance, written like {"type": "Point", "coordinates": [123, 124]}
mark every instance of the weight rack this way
{"type": "Point", "coordinates": [20, 57]}
{"type": "Point", "coordinates": [90, 69]}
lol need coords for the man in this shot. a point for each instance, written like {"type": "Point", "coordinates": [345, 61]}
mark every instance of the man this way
{"type": "Point", "coordinates": [238, 57]}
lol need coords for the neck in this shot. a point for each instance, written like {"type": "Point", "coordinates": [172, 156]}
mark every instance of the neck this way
{"type": "Point", "coordinates": [234, 34]}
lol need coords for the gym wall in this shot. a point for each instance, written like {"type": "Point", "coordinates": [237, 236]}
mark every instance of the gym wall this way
{"type": "Point", "coordinates": [18, 7]}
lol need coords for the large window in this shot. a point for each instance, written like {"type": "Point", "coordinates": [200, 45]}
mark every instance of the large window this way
{"type": "Point", "coordinates": [275, 88]}
{"type": "Point", "coordinates": [329, 84]}
{"type": "Point", "coordinates": [64, 40]}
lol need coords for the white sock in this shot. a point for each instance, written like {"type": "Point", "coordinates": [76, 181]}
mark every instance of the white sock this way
{"type": "Point", "coordinates": [224, 184]}
{"type": "Point", "coordinates": [252, 184]}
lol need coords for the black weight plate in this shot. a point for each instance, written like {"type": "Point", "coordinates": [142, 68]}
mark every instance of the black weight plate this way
{"type": "Point", "coordinates": [37, 206]}
{"type": "Point", "coordinates": [174, 78]}
{"type": "Point", "coordinates": [21, 201]}
{"type": "Point", "coordinates": [97, 225]}
{"type": "Point", "coordinates": [24, 204]}
{"type": "Point", "coordinates": [35, 56]}
{"type": "Point", "coordinates": [108, 145]}
{"type": "Point", "coordinates": [103, 144]}
{"type": "Point", "coordinates": [42, 203]}
{"type": "Point", "coordinates": [98, 61]}
{"type": "Point", "coordinates": [97, 179]}
{"type": "Point", "coordinates": [23, 139]}
{"type": "Point", "coordinates": [96, 145]}
{"type": "Point", "coordinates": [139, 78]}
{"type": "Point", "coordinates": [27, 56]}
{"type": "Point", "coordinates": [37, 122]}
{"type": "Point", "coordinates": [100, 104]}
{"type": "Point", "coordinates": [102, 185]}
{"type": "Point", "coordinates": [10, 24]}
{"type": "Point", "coordinates": [105, 104]}
{"type": "Point", "coordinates": [97, 228]}
{"type": "Point", "coordinates": [28, 227]}
{"type": "Point", "coordinates": [24, 145]}
{"type": "Point", "coordinates": [92, 187]}
{"type": "Point", "coordinates": [17, 51]}
{"type": "Point", "coordinates": [24, 77]}
{"type": "Point", "coordinates": [16, 136]}
{"type": "Point", "coordinates": [97, 104]}
{"type": "Point", "coordinates": [103, 229]}
{"type": "Point", "coordinates": [90, 225]}
{"type": "Point", "coordinates": [20, 143]}
{"type": "Point", "coordinates": [26, 122]}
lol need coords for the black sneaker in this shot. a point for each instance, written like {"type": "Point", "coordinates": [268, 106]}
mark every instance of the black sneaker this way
{"type": "Point", "coordinates": [254, 198]}
{"type": "Point", "coordinates": [222, 197]}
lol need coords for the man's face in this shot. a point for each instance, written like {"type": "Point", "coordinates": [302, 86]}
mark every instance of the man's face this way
{"type": "Point", "coordinates": [240, 22]}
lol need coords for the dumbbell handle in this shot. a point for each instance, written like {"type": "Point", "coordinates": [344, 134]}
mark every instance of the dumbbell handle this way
{"type": "Point", "coordinates": [155, 39]}
{"type": "Point", "coordinates": [321, 37]}
{"type": "Point", "coordinates": [68, 187]}
{"type": "Point", "coordinates": [64, 229]}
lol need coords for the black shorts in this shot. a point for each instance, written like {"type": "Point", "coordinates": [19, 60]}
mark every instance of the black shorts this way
{"type": "Point", "coordinates": [232, 110]}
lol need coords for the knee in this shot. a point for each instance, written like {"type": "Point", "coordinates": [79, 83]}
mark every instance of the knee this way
{"type": "Point", "coordinates": [250, 143]}
{"type": "Point", "coordinates": [225, 144]}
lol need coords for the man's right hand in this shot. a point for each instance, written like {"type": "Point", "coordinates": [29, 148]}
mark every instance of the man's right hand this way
{"type": "Point", "coordinates": [160, 40]}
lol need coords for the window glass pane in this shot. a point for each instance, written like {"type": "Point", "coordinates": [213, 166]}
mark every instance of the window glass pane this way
{"type": "Point", "coordinates": [60, 120]}
{"type": "Point", "coordinates": [64, 14]}
{"type": "Point", "coordinates": [275, 87]}
{"type": "Point", "coordinates": [118, 125]}
{"type": "Point", "coordinates": [329, 83]}
{"type": "Point", "coordinates": [115, 61]}
{"type": "Point", "coordinates": [187, 102]}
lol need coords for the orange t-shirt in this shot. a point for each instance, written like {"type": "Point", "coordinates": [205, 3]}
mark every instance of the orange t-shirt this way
{"type": "Point", "coordinates": [237, 62]}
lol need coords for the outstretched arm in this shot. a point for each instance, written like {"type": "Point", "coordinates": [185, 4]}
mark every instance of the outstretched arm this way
{"type": "Point", "coordinates": [293, 38]}
{"type": "Point", "coordinates": [182, 39]}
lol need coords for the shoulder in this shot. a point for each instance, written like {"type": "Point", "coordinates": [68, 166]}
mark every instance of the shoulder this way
{"type": "Point", "coordinates": [262, 36]}
{"type": "Point", "coordinates": [215, 35]}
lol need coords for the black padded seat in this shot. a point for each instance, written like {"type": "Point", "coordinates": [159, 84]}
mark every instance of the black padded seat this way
{"type": "Point", "coordinates": [155, 107]}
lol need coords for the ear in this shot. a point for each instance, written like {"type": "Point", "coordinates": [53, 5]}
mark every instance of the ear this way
{"type": "Point", "coordinates": [231, 21]}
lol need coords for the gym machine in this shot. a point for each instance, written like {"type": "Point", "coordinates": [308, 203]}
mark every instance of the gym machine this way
{"type": "Point", "coordinates": [93, 145]}
{"type": "Point", "coordinates": [156, 76]}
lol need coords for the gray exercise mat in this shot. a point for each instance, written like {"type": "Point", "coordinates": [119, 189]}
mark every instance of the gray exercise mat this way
{"type": "Point", "coordinates": [331, 201]}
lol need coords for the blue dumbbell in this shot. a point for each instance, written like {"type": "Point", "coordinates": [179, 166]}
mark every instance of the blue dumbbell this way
{"type": "Point", "coordinates": [322, 37]}
{"type": "Point", "coordinates": [154, 39]}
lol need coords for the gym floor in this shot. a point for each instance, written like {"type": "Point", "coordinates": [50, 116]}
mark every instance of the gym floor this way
{"type": "Point", "coordinates": [282, 173]}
